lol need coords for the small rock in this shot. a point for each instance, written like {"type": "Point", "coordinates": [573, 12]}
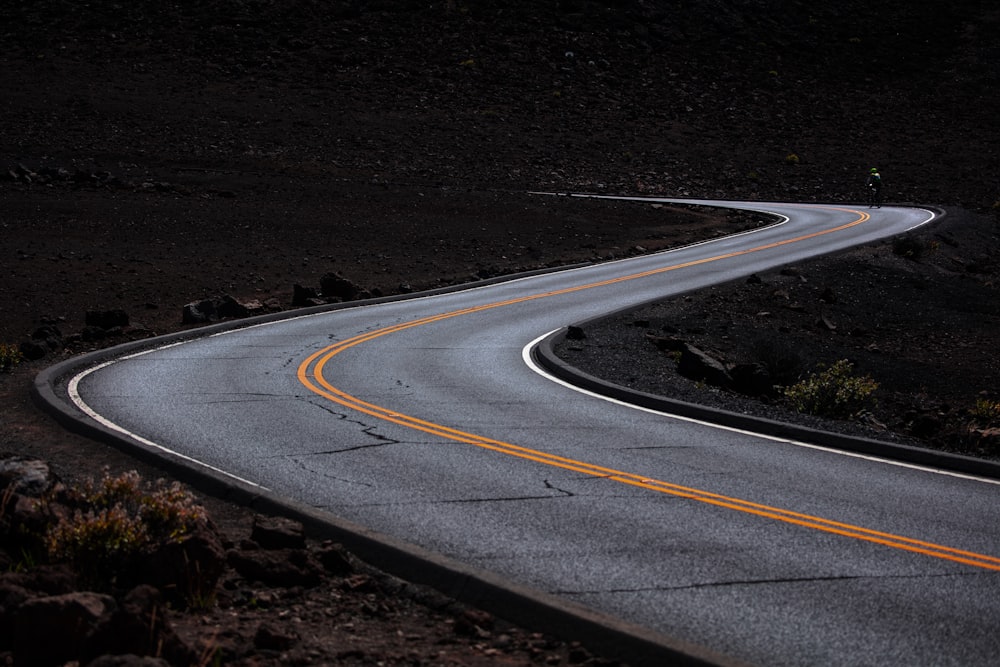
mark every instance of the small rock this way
{"type": "Point", "coordinates": [269, 638]}
{"type": "Point", "coordinates": [198, 312]}
{"type": "Point", "coordinates": [277, 533]}
{"type": "Point", "coordinates": [284, 568]}
{"type": "Point", "coordinates": [26, 476]}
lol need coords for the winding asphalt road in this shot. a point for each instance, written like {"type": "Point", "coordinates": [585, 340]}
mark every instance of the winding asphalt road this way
{"type": "Point", "coordinates": [426, 421]}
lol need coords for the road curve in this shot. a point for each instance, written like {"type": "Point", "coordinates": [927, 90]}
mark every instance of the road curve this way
{"type": "Point", "coordinates": [419, 420]}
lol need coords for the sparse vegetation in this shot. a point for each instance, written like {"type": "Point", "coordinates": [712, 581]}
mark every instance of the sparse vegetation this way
{"type": "Point", "coordinates": [982, 432]}
{"type": "Point", "coordinates": [10, 356]}
{"type": "Point", "coordinates": [689, 114]}
{"type": "Point", "coordinates": [833, 392]}
{"type": "Point", "coordinates": [986, 413]}
{"type": "Point", "coordinates": [115, 521]}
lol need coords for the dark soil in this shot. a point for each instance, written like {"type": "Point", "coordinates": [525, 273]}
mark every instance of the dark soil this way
{"type": "Point", "coordinates": [157, 154]}
{"type": "Point", "coordinates": [918, 315]}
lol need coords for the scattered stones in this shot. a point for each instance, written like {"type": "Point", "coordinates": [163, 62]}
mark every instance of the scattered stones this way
{"type": "Point", "coordinates": [49, 176]}
{"type": "Point", "coordinates": [225, 306]}
{"type": "Point", "coordinates": [44, 340]}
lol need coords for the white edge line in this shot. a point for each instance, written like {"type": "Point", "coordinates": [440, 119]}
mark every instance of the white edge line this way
{"type": "Point", "coordinates": [74, 395]}
{"type": "Point", "coordinates": [530, 363]}
{"type": "Point", "coordinates": [77, 399]}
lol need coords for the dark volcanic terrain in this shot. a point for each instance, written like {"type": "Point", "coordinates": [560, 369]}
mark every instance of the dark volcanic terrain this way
{"type": "Point", "coordinates": [160, 154]}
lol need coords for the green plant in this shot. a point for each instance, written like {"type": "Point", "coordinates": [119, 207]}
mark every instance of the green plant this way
{"type": "Point", "coordinates": [10, 356]}
{"type": "Point", "coordinates": [118, 519]}
{"type": "Point", "coordinates": [791, 158]}
{"type": "Point", "coordinates": [28, 560]}
{"type": "Point", "coordinates": [986, 412]}
{"type": "Point", "coordinates": [833, 392]}
{"type": "Point", "coordinates": [99, 543]}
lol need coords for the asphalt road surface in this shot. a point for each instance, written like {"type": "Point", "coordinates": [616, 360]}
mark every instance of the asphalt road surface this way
{"type": "Point", "coordinates": [422, 420]}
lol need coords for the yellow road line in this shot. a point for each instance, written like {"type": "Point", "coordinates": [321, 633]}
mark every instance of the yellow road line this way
{"type": "Point", "coordinates": [310, 374]}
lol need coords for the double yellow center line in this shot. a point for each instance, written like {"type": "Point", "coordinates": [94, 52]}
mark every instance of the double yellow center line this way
{"type": "Point", "coordinates": [311, 375]}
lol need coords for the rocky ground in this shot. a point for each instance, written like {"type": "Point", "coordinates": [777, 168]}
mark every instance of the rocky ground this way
{"type": "Point", "coordinates": [162, 154]}
{"type": "Point", "coordinates": [918, 315]}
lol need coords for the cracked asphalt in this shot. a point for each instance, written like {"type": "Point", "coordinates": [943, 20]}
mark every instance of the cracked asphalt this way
{"type": "Point", "coordinates": [714, 537]}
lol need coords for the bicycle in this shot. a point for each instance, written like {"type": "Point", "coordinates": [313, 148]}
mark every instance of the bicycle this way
{"type": "Point", "coordinates": [874, 197]}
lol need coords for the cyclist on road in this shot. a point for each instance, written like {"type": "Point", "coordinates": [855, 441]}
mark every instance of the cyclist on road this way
{"type": "Point", "coordinates": [874, 186]}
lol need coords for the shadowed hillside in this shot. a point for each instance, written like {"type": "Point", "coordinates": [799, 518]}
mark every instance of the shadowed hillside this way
{"type": "Point", "coordinates": [701, 98]}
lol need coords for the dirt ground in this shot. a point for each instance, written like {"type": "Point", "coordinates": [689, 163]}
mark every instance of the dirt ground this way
{"type": "Point", "coordinates": [159, 155]}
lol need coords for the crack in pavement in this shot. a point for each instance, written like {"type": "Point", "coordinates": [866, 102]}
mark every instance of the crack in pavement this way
{"type": "Point", "coordinates": [756, 582]}
{"type": "Point", "coordinates": [343, 480]}
{"type": "Point", "coordinates": [550, 485]}
{"type": "Point", "coordinates": [249, 397]}
{"type": "Point", "coordinates": [460, 501]}
{"type": "Point", "coordinates": [655, 447]}
{"type": "Point", "coordinates": [496, 499]}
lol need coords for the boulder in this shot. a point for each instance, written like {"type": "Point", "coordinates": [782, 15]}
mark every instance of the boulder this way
{"type": "Point", "coordinates": [12, 596]}
{"type": "Point", "coordinates": [208, 310]}
{"type": "Point", "coordinates": [305, 296]}
{"type": "Point", "coordinates": [53, 629]}
{"type": "Point", "coordinates": [336, 560]}
{"type": "Point", "coordinates": [43, 340]}
{"type": "Point", "coordinates": [335, 286]}
{"type": "Point", "coordinates": [284, 568]}
{"type": "Point", "coordinates": [228, 306]}
{"type": "Point", "coordinates": [697, 365]}
{"type": "Point", "coordinates": [278, 533]}
{"type": "Point", "coordinates": [139, 626]}
{"type": "Point", "coordinates": [186, 570]}
{"type": "Point", "coordinates": [26, 476]}
{"type": "Point", "coordinates": [199, 312]}
{"type": "Point", "coordinates": [271, 638]}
